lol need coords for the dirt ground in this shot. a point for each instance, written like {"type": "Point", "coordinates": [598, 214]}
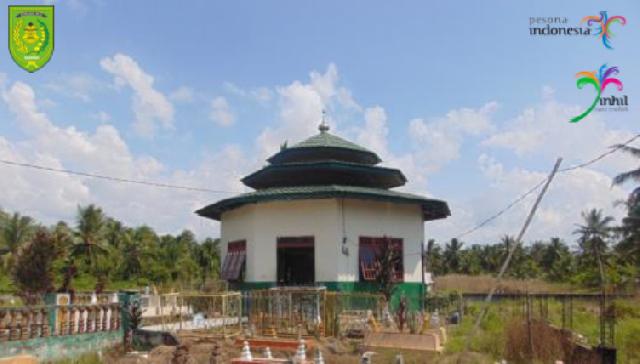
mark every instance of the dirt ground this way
{"type": "Point", "coordinates": [196, 350]}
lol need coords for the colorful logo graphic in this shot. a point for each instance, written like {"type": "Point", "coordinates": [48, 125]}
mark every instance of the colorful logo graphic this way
{"type": "Point", "coordinates": [31, 35]}
{"type": "Point", "coordinates": [599, 81]}
{"type": "Point", "coordinates": [604, 31]}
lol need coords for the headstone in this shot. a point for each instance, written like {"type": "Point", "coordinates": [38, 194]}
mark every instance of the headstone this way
{"type": "Point", "coordinates": [435, 319]}
{"type": "Point", "coordinates": [301, 353]}
{"type": "Point", "coordinates": [246, 352]}
{"type": "Point", "coordinates": [366, 357]}
{"type": "Point", "coordinates": [198, 320]}
{"type": "Point", "coordinates": [399, 359]}
{"type": "Point", "coordinates": [267, 353]}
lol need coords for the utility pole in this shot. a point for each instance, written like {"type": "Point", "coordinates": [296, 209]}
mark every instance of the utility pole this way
{"type": "Point", "coordinates": [504, 266]}
{"type": "Point", "coordinates": [422, 289]}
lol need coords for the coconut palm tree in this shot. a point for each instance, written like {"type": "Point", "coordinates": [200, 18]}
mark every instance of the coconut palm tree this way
{"type": "Point", "coordinates": [633, 174]}
{"type": "Point", "coordinates": [593, 235]}
{"type": "Point", "coordinates": [16, 230]}
{"type": "Point", "coordinates": [452, 255]}
{"type": "Point", "coordinates": [90, 235]}
{"type": "Point", "coordinates": [593, 240]}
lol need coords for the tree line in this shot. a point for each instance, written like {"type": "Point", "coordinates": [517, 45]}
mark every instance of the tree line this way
{"type": "Point", "coordinates": [98, 252]}
{"type": "Point", "coordinates": [601, 251]}
{"type": "Point", "coordinates": [605, 252]}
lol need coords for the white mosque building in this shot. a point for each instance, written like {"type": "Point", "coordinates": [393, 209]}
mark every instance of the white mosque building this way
{"type": "Point", "coordinates": [319, 213]}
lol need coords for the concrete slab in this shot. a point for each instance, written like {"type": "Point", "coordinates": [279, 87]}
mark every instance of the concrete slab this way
{"type": "Point", "coordinates": [20, 359]}
{"type": "Point", "coordinates": [425, 342]}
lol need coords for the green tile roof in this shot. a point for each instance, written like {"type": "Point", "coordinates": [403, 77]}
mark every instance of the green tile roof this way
{"type": "Point", "coordinates": [325, 173]}
{"type": "Point", "coordinates": [328, 140]}
{"type": "Point", "coordinates": [432, 209]}
{"type": "Point", "coordinates": [325, 146]}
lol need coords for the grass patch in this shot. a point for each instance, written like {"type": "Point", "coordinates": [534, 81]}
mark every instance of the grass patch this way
{"type": "Point", "coordinates": [484, 282]}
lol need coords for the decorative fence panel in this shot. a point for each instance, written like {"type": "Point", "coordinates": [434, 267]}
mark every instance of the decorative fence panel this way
{"type": "Point", "coordinates": [60, 328]}
{"type": "Point", "coordinates": [216, 313]}
{"type": "Point", "coordinates": [293, 311]}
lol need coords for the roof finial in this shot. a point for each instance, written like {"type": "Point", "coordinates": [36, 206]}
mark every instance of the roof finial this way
{"type": "Point", "coordinates": [324, 127]}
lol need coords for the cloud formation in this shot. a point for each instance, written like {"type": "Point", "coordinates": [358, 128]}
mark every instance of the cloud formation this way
{"type": "Point", "coordinates": [220, 113]}
{"type": "Point", "coordinates": [150, 106]}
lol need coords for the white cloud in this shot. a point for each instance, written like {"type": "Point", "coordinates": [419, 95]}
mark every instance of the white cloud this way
{"type": "Point", "coordinates": [51, 196]}
{"type": "Point", "coordinates": [182, 94]}
{"type": "Point", "coordinates": [79, 86]}
{"type": "Point", "coordinates": [261, 94]}
{"type": "Point", "coordinates": [220, 113]}
{"type": "Point", "coordinates": [438, 142]}
{"type": "Point", "coordinates": [375, 131]}
{"type": "Point", "coordinates": [149, 105]}
{"type": "Point", "coordinates": [431, 143]}
{"type": "Point", "coordinates": [544, 130]}
{"type": "Point", "coordinates": [569, 194]}
{"type": "Point", "coordinates": [102, 116]}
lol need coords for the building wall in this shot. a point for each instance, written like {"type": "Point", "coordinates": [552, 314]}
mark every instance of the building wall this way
{"type": "Point", "coordinates": [376, 219]}
{"type": "Point", "coordinates": [328, 220]}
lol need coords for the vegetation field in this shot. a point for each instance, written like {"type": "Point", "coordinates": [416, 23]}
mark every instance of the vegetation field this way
{"type": "Point", "coordinates": [494, 330]}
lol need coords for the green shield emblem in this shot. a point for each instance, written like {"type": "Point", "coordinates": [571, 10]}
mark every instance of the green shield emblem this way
{"type": "Point", "coordinates": [31, 35]}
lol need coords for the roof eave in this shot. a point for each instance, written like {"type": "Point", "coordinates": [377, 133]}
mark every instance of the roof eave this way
{"type": "Point", "coordinates": [431, 209]}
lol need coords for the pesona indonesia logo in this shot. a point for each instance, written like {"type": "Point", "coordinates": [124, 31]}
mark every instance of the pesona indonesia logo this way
{"type": "Point", "coordinates": [605, 23]}
{"type": "Point", "coordinates": [555, 25]}
{"type": "Point", "coordinates": [600, 80]}
{"type": "Point", "coordinates": [593, 25]}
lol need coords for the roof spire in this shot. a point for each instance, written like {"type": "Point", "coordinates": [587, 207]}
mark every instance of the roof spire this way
{"type": "Point", "coordinates": [324, 127]}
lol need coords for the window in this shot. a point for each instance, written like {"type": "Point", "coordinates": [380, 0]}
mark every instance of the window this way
{"type": "Point", "coordinates": [371, 252]}
{"type": "Point", "coordinates": [232, 267]}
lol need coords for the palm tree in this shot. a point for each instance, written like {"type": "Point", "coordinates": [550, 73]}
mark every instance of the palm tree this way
{"type": "Point", "coordinates": [16, 230]}
{"type": "Point", "coordinates": [594, 233]}
{"type": "Point", "coordinates": [557, 260]}
{"type": "Point", "coordinates": [593, 239]}
{"type": "Point", "coordinates": [114, 233]}
{"type": "Point", "coordinates": [629, 247]}
{"type": "Point", "coordinates": [633, 174]}
{"type": "Point", "coordinates": [452, 255]}
{"type": "Point", "coordinates": [90, 235]}
{"type": "Point", "coordinates": [132, 257]}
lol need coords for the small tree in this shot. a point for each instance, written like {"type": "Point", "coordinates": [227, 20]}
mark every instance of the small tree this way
{"type": "Point", "coordinates": [387, 259]}
{"type": "Point", "coordinates": [33, 268]}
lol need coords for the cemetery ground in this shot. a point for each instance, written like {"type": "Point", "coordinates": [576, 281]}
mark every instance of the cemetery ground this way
{"type": "Point", "coordinates": [500, 336]}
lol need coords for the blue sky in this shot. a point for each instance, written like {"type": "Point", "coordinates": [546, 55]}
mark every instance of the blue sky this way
{"type": "Point", "coordinates": [457, 94]}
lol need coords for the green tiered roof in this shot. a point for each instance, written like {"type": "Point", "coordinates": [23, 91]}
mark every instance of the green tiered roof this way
{"type": "Point", "coordinates": [325, 166]}
{"type": "Point", "coordinates": [326, 140]}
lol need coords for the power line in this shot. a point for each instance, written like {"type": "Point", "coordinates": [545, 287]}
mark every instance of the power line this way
{"type": "Point", "coordinates": [501, 212]}
{"type": "Point", "coordinates": [613, 149]}
{"type": "Point", "coordinates": [539, 184]}
{"type": "Point", "coordinates": [207, 190]}
{"type": "Point", "coordinates": [110, 178]}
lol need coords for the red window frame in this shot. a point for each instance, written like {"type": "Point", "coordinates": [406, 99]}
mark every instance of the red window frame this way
{"type": "Point", "coordinates": [369, 257]}
{"type": "Point", "coordinates": [234, 260]}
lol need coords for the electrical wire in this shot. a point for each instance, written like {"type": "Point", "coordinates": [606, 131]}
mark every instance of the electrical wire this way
{"type": "Point", "coordinates": [539, 184]}
{"type": "Point", "coordinates": [207, 190]}
{"type": "Point", "coordinates": [110, 178]}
